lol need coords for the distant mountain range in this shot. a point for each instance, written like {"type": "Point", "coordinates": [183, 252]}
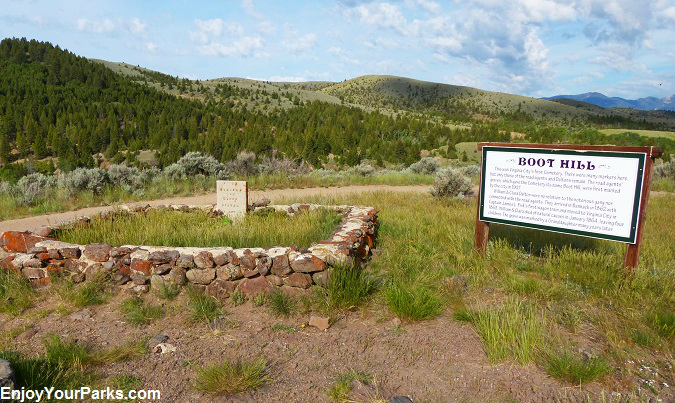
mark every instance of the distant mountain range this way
{"type": "Point", "coordinates": [645, 104]}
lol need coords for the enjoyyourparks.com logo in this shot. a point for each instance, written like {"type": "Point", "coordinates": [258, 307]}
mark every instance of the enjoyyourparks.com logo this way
{"type": "Point", "coordinates": [22, 395]}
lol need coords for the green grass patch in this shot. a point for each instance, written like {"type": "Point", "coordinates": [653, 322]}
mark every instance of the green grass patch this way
{"type": "Point", "coordinates": [138, 312]}
{"type": "Point", "coordinates": [167, 291]}
{"type": "Point", "coordinates": [577, 370]}
{"type": "Point", "coordinates": [343, 385]}
{"type": "Point", "coordinates": [280, 327]}
{"type": "Point", "coordinates": [168, 228]}
{"type": "Point", "coordinates": [233, 377]}
{"type": "Point", "coordinates": [646, 133]}
{"type": "Point", "coordinates": [91, 292]}
{"type": "Point", "coordinates": [514, 331]}
{"type": "Point", "coordinates": [282, 304]}
{"type": "Point", "coordinates": [348, 287]}
{"type": "Point", "coordinates": [203, 308]}
{"type": "Point", "coordinates": [16, 292]}
{"type": "Point", "coordinates": [412, 302]}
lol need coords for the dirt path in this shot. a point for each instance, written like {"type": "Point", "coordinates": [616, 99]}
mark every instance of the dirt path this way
{"type": "Point", "coordinates": [26, 223]}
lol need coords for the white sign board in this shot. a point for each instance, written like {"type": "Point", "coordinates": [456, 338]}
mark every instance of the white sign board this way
{"type": "Point", "coordinates": [587, 193]}
{"type": "Point", "coordinates": [232, 198]}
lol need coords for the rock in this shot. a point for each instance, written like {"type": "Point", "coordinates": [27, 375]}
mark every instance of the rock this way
{"type": "Point", "coordinates": [320, 322]}
{"type": "Point", "coordinates": [247, 263]}
{"type": "Point", "coordinates": [119, 252]}
{"type": "Point", "coordinates": [275, 280]}
{"type": "Point", "coordinates": [221, 260]}
{"type": "Point", "coordinates": [31, 272]}
{"type": "Point", "coordinates": [281, 266]}
{"type": "Point", "coordinates": [221, 289]}
{"type": "Point", "coordinates": [229, 272]}
{"type": "Point", "coordinates": [158, 339]}
{"type": "Point", "coordinates": [35, 263]}
{"type": "Point", "coordinates": [43, 231]}
{"type": "Point", "coordinates": [163, 348]}
{"type": "Point", "coordinates": [93, 272]}
{"type": "Point", "coordinates": [250, 273]}
{"type": "Point", "coordinates": [261, 203]}
{"type": "Point", "coordinates": [177, 276]}
{"type": "Point", "coordinates": [140, 289]}
{"type": "Point", "coordinates": [98, 252]}
{"type": "Point", "coordinates": [204, 260]}
{"type": "Point", "coordinates": [162, 268]}
{"type": "Point", "coordinates": [163, 256]}
{"type": "Point", "coordinates": [400, 399]}
{"type": "Point", "coordinates": [157, 282]}
{"type": "Point", "coordinates": [138, 279]}
{"type": "Point", "coordinates": [7, 379]}
{"type": "Point", "coordinates": [321, 278]}
{"type": "Point", "coordinates": [84, 314]}
{"type": "Point", "coordinates": [16, 241]}
{"type": "Point", "coordinates": [120, 279]}
{"type": "Point", "coordinates": [396, 322]}
{"type": "Point", "coordinates": [70, 253]}
{"type": "Point", "coordinates": [300, 280]}
{"type": "Point", "coordinates": [198, 276]}
{"type": "Point", "coordinates": [263, 265]}
{"type": "Point", "coordinates": [251, 287]}
{"type": "Point", "coordinates": [140, 266]}
{"type": "Point", "coordinates": [185, 262]}
{"type": "Point", "coordinates": [296, 292]}
{"type": "Point", "coordinates": [36, 249]}
{"type": "Point", "coordinates": [307, 263]}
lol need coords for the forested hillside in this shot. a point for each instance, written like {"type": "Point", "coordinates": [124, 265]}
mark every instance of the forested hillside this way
{"type": "Point", "coordinates": [54, 103]}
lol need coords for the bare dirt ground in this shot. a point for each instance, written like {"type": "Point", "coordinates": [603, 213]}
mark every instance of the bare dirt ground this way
{"type": "Point", "coordinates": [23, 224]}
{"type": "Point", "coordinates": [431, 361]}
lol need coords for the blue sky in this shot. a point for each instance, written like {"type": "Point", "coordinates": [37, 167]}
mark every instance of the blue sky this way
{"type": "Point", "coordinates": [532, 47]}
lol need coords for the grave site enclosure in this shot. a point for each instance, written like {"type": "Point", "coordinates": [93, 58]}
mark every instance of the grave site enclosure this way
{"type": "Point", "coordinates": [220, 270]}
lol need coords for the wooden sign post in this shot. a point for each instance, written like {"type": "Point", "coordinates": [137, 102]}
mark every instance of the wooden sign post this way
{"type": "Point", "coordinates": [593, 191]}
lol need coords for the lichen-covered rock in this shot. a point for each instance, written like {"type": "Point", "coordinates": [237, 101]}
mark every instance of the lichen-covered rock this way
{"type": "Point", "coordinates": [221, 289]}
{"type": "Point", "coordinates": [162, 268]}
{"type": "Point", "coordinates": [321, 278]}
{"type": "Point", "coordinates": [263, 264]}
{"type": "Point", "coordinates": [275, 280]}
{"type": "Point", "coordinates": [229, 272]}
{"type": "Point", "coordinates": [281, 266]}
{"type": "Point", "coordinates": [16, 241]}
{"type": "Point", "coordinates": [201, 276]}
{"type": "Point", "coordinates": [163, 256]}
{"type": "Point", "coordinates": [247, 262]}
{"type": "Point", "coordinates": [204, 260]}
{"type": "Point", "coordinates": [97, 252]}
{"type": "Point", "coordinates": [251, 287]}
{"type": "Point", "coordinates": [306, 263]}
{"type": "Point", "coordinates": [32, 272]}
{"type": "Point", "coordinates": [70, 253]}
{"type": "Point", "coordinates": [138, 279]}
{"type": "Point", "coordinates": [177, 276]}
{"type": "Point", "coordinates": [119, 252]}
{"type": "Point", "coordinates": [301, 280]}
{"type": "Point", "coordinates": [185, 262]}
{"type": "Point", "coordinates": [221, 259]}
{"type": "Point", "coordinates": [140, 266]}
{"type": "Point", "coordinates": [7, 379]}
{"type": "Point", "coordinates": [157, 282]}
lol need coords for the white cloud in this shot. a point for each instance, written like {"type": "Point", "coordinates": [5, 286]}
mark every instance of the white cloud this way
{"type": "Point", "coordinates": [384, 15]}
{"type": "Point", "coordinates": [300, 44]}
{"type": "Point", "coordinates": [105, 25]}
{"type": "Point", "coordinates": [430, 6]}
{"type": "Point", "coordinates": [250, 8]}
{"type": "Point", "coordinates": [150, 47]}
{"type": "Point", "coordinates": [266, 27]}
{"type": "Point", "coordinates": [137, 26]}
{"type": "Point", "coordinates": [243, 47]}
{"type": "Point", "coordinates": [282, 79]}
{"type": "Point", "coordinates": [207, 30]}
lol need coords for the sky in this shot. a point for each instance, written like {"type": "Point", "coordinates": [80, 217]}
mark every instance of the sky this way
{"type": "Point", "coordinates": [538, 48]}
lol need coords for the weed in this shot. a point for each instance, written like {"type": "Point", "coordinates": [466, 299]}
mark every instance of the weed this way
{"type": "Point", "coordinates": [567, 366]}
{"type": "Point", "coordinates": [125, 382]}
{"type": "Point", "coordinates": [92, 292]}
{"type": "Point", "coordinates": [69, 353]}
{"type": "Point", "coordinates": [282, 304]}
{"type": "Point", "coordinates": [348, 286]}
{"type": "Point", "coordinates": [137, 312]}
{"type": "Point", "coordinates": [463, 315]}
{"type": "Point", "coordinates": [237, 298]}
{"type": "Point", "coordinates": [202, 307]}
{"type": "Point", "coordinates": [412, 302]}
{"type": "Point", "coordinates": [663, 322]}
{"type": "Point", "coordinates": [343, 385]}
{"type": "Point", "coordinates": [260, 299]}
{"type": "Point", "coordinates": [125, 352]}
{"type": "Point", "coordinates": [16, 292]}
{"type": "Point", "coordinates": [228, 377]}
{"type": "Point", "coordinates": [167, 291]}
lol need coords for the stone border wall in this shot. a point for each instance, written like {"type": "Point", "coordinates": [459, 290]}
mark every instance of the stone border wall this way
{"type": "Point", "coordinates": [219, 271]}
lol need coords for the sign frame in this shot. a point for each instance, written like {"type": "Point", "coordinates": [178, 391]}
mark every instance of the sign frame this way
{"type": "Point", "coordinates": [646, 156]}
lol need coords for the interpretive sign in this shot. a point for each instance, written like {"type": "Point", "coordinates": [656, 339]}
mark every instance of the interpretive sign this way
{"type": "Point", "coordinates": [593, 191]}
{"type": "Point", "coordinates": [232, 198]}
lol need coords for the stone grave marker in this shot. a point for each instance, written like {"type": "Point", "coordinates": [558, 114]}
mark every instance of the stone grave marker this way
{"type": "Point", "coordinates": [232, 198]}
